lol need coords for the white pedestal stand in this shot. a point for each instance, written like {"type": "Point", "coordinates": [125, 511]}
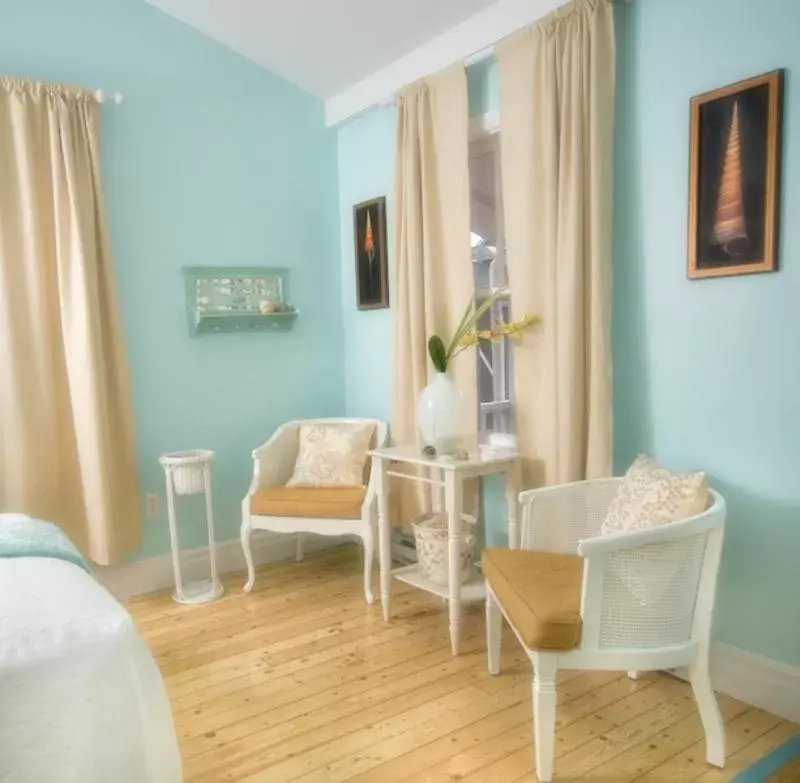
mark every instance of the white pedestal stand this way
{"type": "Point", "coordinates": [189, 473]}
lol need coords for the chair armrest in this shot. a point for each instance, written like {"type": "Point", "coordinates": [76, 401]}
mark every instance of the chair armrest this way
{"type": "Point", "coordinates": [649, 587]}
{"type": "Point", "coordinates": [274, 461]}
{"type": "Point", "coordinates": [556, 519]}
{"type": "Point", "coordinates": [672, 531]}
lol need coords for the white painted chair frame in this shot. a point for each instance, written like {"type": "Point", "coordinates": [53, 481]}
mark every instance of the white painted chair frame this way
{"type": "Point", "coordinates": [567, 519]}
{"type": "Point", "coordinates": [273, 465]}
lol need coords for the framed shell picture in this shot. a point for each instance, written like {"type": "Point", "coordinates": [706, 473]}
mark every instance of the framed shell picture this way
{"type": "Point", "coordinates": [734, 185]}
{"type": "Point", "coordinates": [372, 277]}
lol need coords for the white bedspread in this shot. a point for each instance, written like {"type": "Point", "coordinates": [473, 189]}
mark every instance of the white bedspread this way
{"type": "Point", "coordinates": [81, 698]}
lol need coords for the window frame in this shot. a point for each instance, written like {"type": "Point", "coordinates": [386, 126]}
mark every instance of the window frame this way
{"type": "Point", "coordinates": [484, 139]}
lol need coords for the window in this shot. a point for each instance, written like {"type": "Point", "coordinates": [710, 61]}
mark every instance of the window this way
{"type": "Point", "coordinates": [494, 360]}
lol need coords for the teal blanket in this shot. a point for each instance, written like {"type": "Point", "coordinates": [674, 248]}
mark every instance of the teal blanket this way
{"type": "Point", "coordinates": [22, 536]}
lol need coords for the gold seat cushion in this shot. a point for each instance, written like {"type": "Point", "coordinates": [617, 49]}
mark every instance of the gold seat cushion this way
{"type": "Point", "coordinates": [314, 502]}
{"type": "Point", "coordinates": [541, 594]}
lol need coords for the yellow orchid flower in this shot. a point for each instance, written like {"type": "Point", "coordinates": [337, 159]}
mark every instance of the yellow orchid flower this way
{"type": "Point", "coordinates": [468, 335]}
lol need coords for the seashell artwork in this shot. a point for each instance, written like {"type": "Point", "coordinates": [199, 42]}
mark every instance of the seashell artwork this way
{"type": "Point", "coordinates": [735, 178]}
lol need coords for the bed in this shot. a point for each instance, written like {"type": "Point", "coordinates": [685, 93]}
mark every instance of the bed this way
{"type": "Point", "coordinates": [81, 698]}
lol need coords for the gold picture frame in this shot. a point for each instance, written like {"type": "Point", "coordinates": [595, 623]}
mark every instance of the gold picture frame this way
{"type": "Point", "coordinates": [734, 178]}
{"type": "Point", "coordinates": [372, 268]}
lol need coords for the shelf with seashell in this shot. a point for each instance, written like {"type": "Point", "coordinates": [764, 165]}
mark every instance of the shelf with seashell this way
{"type": "Point", "coordinates": [237, 299]}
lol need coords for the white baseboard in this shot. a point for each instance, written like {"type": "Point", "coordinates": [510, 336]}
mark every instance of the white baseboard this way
{"type": "Point", "coordinates": [757, 680]}
{"type": "Point", "coordinates": [754, 679]}
{"type": "Point", "coordinates": [155, 573]}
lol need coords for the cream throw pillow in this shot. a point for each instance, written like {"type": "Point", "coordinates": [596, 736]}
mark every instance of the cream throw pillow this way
{"type": "Point", "coordinates": [331, 455]}
{"type": "Point", "coordinates": [650, 495]}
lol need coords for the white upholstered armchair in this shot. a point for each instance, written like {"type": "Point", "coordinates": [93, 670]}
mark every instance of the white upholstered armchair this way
{"type": "Point", "coordinates": [323, 510]}
{"type": "Point", "coordinates": [636, 601]}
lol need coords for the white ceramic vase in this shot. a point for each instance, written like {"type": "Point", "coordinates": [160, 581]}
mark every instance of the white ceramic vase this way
{"type": "Point", "coordinates": [442, 415]}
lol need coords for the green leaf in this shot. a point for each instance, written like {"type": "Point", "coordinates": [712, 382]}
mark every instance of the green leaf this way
{"type": "Point", "coordinates": [470, 321]}
{"type": "Point", "coordinates": [437, 353]}
{"type": "Point", "coordinates": [461, 328]}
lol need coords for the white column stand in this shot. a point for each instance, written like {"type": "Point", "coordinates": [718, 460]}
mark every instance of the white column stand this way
{"type": "Point", "coordinates": [173, 540]}
{"type": "Point", "coordinates": [189, 473]}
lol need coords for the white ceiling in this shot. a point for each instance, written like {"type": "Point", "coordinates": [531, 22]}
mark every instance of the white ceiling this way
{"type": "Point", "coordinates": [323, 46]}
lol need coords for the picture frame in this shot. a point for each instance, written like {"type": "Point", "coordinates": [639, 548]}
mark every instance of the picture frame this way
{"type": "Point", "coordinates": [371, 261]}
{"type": "Point", "coordinates": [734, 178]}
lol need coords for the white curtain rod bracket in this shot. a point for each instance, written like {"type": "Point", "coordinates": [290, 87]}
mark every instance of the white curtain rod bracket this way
{"type": "Point", "coordinates": [101, 96]}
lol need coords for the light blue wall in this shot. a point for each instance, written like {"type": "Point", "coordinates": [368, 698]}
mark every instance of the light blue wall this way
{"type": "Point", "coordinates": [210, 160]}
{"type": "Point", "coordinates": [366, 171]}
{"type": "Point", "coordinates": [707, 372]}
{"type": "Point", "coordinates": [483, 87]}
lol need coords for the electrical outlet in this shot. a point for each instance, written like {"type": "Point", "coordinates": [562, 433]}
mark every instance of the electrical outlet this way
{"type": "Point", "coordinates": [151, 505]}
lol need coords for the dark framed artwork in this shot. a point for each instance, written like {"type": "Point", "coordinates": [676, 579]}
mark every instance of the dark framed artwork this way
{"type": "Point", "coordinates": [372, 276]}
{"type": "Point", "coordinates": [734, 184]}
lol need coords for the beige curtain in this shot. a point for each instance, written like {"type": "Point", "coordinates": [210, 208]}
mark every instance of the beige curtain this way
{"type": "Point", "coordinates": [433, 271]}
{"type": "Point", "coordinates": [67, 452]}
{"type": "Point", "coordinates": [556, 120]}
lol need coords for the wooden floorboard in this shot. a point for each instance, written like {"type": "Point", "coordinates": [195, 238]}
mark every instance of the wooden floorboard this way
{"type": "Point", "coordinates": [302, 681]}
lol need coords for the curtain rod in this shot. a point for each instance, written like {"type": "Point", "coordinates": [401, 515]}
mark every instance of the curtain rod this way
{"type": "Point", "coordinates": [472, 59]}
{"type": "Point", "coordinates": [483, 54]}
{"type": "Point", "coordinates": [101, 96]}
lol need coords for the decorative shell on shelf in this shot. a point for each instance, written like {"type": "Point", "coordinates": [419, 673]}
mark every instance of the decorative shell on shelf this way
{"type": "Point", "coordinates": [267, 306]}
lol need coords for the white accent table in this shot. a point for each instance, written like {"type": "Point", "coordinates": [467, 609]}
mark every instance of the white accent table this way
{"type": "Point", "coordinates": [448, 475]}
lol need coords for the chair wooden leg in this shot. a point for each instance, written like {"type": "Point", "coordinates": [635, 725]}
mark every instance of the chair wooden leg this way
{"type": "Point", "coordinates": [369, 557]}
{"type": "Point", "coordinates": [248, 556]}
{"type": "Point", "coordinates": [713, 724]}
{"type": "Point", "coordinates": [494, 627]}
{"type": "Point", "coordinates": [544, 713]}
{"type": "Point", "coordinates": [299, 552]}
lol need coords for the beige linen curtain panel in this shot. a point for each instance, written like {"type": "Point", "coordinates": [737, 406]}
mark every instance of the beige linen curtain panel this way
{"type": "Point", "coordinates": [556, 122]}
{"type": "Point", "coordinates": [433, 271]}
{"type": "Point", "coordinates": [65, 409]}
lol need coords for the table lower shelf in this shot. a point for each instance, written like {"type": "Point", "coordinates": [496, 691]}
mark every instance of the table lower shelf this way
{"type": "Point", "coordinates": [471, 590]}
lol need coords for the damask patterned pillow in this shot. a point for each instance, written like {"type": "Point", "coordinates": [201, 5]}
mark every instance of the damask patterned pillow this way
{"type": "Point", "coordinates": [331, 455]}
{"type": "Point", "coordinates": [650, 495]}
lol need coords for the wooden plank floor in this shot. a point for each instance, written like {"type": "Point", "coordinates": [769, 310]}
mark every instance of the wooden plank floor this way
{"type": "Point", "coordinates": [302, 681]}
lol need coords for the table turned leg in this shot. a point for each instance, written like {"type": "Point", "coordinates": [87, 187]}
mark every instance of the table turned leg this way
{"type": "Point", "coordinates": [384, 536]}
{"type": "Point", "coordinates": [453, 500]}
{"type": "Point", "coordinates": [512, 498]}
